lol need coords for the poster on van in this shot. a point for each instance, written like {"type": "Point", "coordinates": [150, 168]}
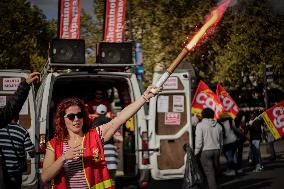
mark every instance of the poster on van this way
{"type": "Point", "coordinates": [11, 84]}
{"type": "Point", "coordinates": [172, 118]}
{"type": "Point", "coordinates": [178, 103]}
{"type": "Point", "coordinates": [163, 104]}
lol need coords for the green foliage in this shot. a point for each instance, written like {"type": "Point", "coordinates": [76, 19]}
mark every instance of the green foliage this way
{"type": "Point", "coordinates": [24, 35]}
{"type": "Point", "coordinates": [248, 37]}
{"type": "Point", "coordinates": [162, 26]}
{"type": "Point", "coordinates": [255, 38]}
{"type": "Point", "coordinates": [92, 29]}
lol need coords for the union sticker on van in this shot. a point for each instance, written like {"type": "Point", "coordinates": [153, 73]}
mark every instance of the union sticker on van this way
{"type": "Point", "coordinates": [171, 83]}
{"type": "Point", "coordinates": [172, 118]}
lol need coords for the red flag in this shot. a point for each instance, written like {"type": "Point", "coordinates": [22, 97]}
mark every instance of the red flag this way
{"type": "Point", "coordinates": [114, 20]}
{"type": "Point", "coordinates": [205, 97]}
{"type": "Point", "coordinates": [231, 109]}
{"type": "Point", "coordinates": [274, 119]}
{"type": "Point", "coordinates": [69, 26]}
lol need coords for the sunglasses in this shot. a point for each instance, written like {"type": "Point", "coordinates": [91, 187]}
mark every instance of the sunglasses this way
{"type": "Point", "coordinates": [71, 116]}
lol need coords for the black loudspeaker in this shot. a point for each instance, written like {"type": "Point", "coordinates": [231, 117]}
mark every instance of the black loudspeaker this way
{"type": "Point", "coordinates": [114, 53]}
{"type": "Point", "coordinates": [69, 51]}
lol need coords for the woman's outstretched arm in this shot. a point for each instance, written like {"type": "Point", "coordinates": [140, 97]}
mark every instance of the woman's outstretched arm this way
{"type": "Point", "coordinates": [128, 112]}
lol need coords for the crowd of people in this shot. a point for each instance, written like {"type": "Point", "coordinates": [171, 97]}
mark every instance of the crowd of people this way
{"type": "Point", "coordinates": [227, 137]}
{"type": "Point", "coordinates": [76, 137]}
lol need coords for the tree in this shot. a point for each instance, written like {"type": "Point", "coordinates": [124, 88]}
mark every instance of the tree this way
{"type": "Point", "coordinates": [253, 38]}
{"type": "Point", "coordinates": [248, 37]}
{"type": "Point", "coordinates": [92, 29]}
{"type": "Point", "coordinates": [162, 28]}
{"type": "Point", "coordinates": [24, 35]}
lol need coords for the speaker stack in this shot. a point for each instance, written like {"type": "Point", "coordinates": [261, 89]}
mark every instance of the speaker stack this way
{"type": "Point", "coordinates": [69, 51]}
{"type": "Point", "coordinates": [114, 53]}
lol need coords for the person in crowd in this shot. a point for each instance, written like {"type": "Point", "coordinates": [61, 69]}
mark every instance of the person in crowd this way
{"type": "Point", "coordinates": [75, 156]}
{"type": "Point", "coordinates": [229, 145]}
{"type": "Point", "coordinates": [241, 130]}
{"type": "Point", "coordinates": [15, 142]}
{"type": "Point", "coordinates": [250, 154]}
{"type": "Point", "coordinates": [268, 137]}
{"type": "Point", "coordinates": [255, 138]}
{"type": "Point", "coordinates": [102, 117]}
{"type": "Point", "coordinates": [195, 119]}
{"type": "Point", "coordinates": [14, 105]}
{"type": "Point", "coordinates": [110, 150]}
{"type": "Point", "coordinates": [101, 97]}
{"type": "Point", "coordinates": [208, 142]}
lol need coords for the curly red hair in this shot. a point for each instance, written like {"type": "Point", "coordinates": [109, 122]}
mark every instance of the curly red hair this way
{"type": "Point", "coordinates": [60, 128]}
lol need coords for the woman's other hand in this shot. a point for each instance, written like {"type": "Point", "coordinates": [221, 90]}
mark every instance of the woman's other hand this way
{"type": "Point", "coordinates": [73, 152]}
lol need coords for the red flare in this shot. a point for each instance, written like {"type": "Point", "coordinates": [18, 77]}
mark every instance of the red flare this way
{"type": "Point", "coordinates": [211, 21]}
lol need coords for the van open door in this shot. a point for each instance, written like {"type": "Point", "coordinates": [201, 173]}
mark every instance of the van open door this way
{"type": "Point", "coordinates": [9, 80]}
{"type": "Point", "coordinates": [44, 106]}
{"type": "Point", "coordinates": [170, 126]}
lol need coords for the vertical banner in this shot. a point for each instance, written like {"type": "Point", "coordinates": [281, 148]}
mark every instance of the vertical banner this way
{"type": "Point", "coordinates": [231, 109]}
{"type": "Point", "coordinates": [114, 20]}
{"type": "Point", "coordinates": [274, 119]}
{"type": "Point", "coordinates": [69, 23]}
{"type": "Point", "coordinates": [205, 97]}
{"type": "Point", "coordinates": [139, 69]}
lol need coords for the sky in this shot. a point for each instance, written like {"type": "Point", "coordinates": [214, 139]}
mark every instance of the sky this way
{"type": "Point", "coordinates": [50, 7]}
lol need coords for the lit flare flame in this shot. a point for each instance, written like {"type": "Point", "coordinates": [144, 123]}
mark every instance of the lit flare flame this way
{"type": "Point", "coordinates": [211, 21]}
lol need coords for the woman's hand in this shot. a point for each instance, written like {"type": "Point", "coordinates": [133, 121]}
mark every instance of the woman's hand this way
{"type": "Point", "coordinates": [150, 92]}
{"type": "Point", "coordinates": [73, 153]}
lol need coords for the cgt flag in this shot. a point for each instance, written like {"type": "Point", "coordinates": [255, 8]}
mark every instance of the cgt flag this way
{"type": "Point", "coordinates": [114, 20]}
{"type": "Point", "coordinates": [69, 20]}
{"type": "Point", "coordinates": [231, 109]}
{"type": "Point", "coordinates": [205, 97]}
{"type": "Point", "coordinates": [274, 119]}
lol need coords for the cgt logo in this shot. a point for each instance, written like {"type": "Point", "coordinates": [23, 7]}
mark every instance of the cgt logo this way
{"type": "Point", "coordinates": [278, 121]}
{"type": "Point", "coordinates": [208, 101]}
{"type": "Point", "coordinates": [228, 103]}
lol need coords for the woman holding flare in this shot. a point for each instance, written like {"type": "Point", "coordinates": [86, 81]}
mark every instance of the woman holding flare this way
{"type": "Point", "coordinates": [74, 157]}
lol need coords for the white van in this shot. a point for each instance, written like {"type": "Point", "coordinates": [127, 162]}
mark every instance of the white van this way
{"type": "Point", "coordinates": [155, 153]}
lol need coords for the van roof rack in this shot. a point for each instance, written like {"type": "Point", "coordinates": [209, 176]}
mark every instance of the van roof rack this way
{"type": "Point", "coordinates": [16, 70]}
{"type": "Point", "coordinates": [63, 67]}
